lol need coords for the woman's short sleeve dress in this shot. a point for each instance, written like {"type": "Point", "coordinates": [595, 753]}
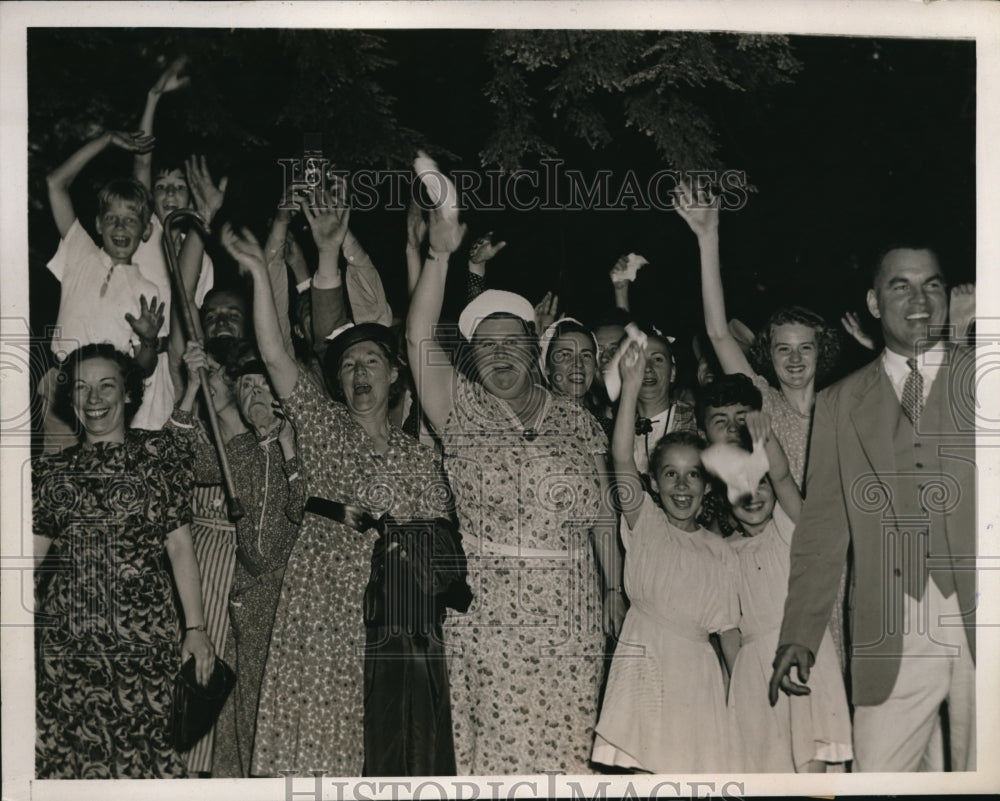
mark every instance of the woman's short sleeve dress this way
{"type": "Point", "coordinates": [527, 657]}
{"type": "Point", "coordinates": [664, 708]}
{"type": "Point", "coordinates": [311, 713]}
{"type": "Point", "coordinates": [108, 633]}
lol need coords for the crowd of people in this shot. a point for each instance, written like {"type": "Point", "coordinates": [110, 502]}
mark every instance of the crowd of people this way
{"type": "Point", "coordinates": [491, 542]}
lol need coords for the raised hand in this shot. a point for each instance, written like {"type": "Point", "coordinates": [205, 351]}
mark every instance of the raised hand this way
{"type": "Point", "coordinates": [328, 221]}
{"type": "Point", "coordinates": [962, 309]}
{"type": "Point", "coordinates": [147, 325]}
{"type": "Point", "coordinates": [207, 196]}
{"type": "Point", "coordinates": [852, 325]}
{"type": "Point", "coordinates": [699, 210]}
{"type": "Point", "coordinates": [483, 249]}
{"type": "Point", "coordinates": [134, 142]}
{"type": "Point", "coordinates": [758, 427]}
{"type": "Point", "coordinates": [416, 226]}
{"type": "Point", "coordinates": [632, 365]}
{"type": "Point", "coordinates": [545, 312]}
{"type": "Point", "coordinates": [444, 231]}
{"type": "Point", "coordinates": [245, 250]}
{"type": "Point", "coordinates": [171, 78]}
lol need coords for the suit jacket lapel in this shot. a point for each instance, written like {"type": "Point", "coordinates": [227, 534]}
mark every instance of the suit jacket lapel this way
{"type": "Point", "coordinates": [875, 416]}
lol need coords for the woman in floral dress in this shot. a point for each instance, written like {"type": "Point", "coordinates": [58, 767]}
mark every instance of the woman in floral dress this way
{"type": "Point", "coordinates": [109, 645]}
{"type": "Point", "coordinates": [358, 467]}
{"type": "Point", "coordinates": [525, 467]}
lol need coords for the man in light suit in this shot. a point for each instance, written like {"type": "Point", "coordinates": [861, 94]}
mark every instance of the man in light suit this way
{"type": "Point", "coordinates": [892, 472]}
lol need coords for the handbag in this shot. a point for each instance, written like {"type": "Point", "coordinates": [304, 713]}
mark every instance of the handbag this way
{"type": "Point", "coordinates": [197, 706]}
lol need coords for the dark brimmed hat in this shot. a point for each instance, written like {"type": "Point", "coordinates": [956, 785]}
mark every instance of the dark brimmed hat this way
{"type": "Point", "coordinates": [352, 335]}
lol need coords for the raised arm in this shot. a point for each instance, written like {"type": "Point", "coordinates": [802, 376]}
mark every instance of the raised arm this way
{"type": "Point", "coordinates": [416, 233]}
{"type": "Point", "coordinates": [208, 199]}
{"type": "Point", "coordinates": [785, 490]}
{"type": "Point", "coordinates": [328, 223]}
{"type": "Point", "coordinates": [482, 251]}
{"type": "Point", "coordinates": [142, 164]}
{"type": "Point", "coordinates": [432, 371]}
{"type": "Point", "coordinates": [62, 177]}
{"type": "Point", "coordinates": [628, 485]}
{"type": "Point", "coordinates": [249, 255]}
{"type": "Point", "coordinates": [702, 216]}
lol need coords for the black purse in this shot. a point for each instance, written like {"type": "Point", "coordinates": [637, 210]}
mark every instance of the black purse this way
{"type": "Point", "coordinates": [197, 706]}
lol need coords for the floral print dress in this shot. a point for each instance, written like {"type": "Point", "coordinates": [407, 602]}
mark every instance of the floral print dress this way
{"type": "Point", "coordinates": [108, 633]}
{"type": "Point", "coordinates": [311, 713]}
{"type": "Point", "coordinates": [527, 658]}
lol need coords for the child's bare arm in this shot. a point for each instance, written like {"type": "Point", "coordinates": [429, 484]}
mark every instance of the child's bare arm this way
{"type": "Point", "coordinates": [786, 492]}
{"type": "Point", "coordinates": [147, 327]}
{"type": "Point", "coordinates": [208, 198]}
{"type": "Point", "coordinates": [62, 177]}
{"type": "Point", "coordinates": [702, 215]}
{"type": "Point", "coordinates": [169, 81]}
{"type": "Point", "coordinates": [632, 366]}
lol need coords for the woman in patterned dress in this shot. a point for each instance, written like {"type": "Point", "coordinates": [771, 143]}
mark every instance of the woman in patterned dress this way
{"type": "Point", "coordinates": [268, 481]}
{"type": "Point", "coordinates": [358, 467]}
{"type": "Point", "coordinates": [526, 467]}
{"type": "Point", "coordinates": [109, 645]}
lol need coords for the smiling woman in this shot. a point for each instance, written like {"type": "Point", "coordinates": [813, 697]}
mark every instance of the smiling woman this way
{"type": "Point", "coordinates": [109, 643]}
{"type": "Point", "coordinates": [343, 691]}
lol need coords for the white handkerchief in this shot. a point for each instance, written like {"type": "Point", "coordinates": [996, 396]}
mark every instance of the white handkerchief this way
{"type": "Point", "coordinates": [439, 187]}
{"type": "Point", "coordinates": [740, 470]}
{"type": "Point", "coordinates": [612, 378]}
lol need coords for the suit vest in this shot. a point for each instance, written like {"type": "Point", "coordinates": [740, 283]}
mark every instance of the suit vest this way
{"type": "Point", "coordinates": [919, 529]}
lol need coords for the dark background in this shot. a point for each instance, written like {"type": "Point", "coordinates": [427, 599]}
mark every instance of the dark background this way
{"type": "Point", "coordinates": [871, 140]}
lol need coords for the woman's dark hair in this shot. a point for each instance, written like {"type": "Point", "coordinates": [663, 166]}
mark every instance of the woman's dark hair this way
{"type": "Point", "coordinates": [132, 377]}
{"type": "Point", "coordinates": [726, 390]}
{"type": "Point", "coordinates": [827, 342]}
{"type": "Point", "coordinates": [688, 438]}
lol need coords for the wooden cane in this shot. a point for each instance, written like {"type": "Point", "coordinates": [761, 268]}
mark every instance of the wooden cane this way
{"type": "Point", "coordinates": [235, 506]}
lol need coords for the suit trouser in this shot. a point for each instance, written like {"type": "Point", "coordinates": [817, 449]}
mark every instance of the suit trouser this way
{"type": "Point", "coordinates": [904, 732]}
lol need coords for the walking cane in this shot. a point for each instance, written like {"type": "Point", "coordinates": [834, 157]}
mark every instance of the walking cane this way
{"type": "Point", "coordinates": [235, 507]}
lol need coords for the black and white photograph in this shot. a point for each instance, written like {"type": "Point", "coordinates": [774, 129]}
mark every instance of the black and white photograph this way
{"type": "Point", "coordinates": [499, 399]}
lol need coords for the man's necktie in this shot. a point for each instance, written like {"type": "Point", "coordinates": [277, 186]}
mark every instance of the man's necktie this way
{"type": "Point", "coordinates": [913, 392]}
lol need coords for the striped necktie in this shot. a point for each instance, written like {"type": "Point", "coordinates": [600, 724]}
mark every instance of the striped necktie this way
{"type": "Point", "coordinates": [913, 392]}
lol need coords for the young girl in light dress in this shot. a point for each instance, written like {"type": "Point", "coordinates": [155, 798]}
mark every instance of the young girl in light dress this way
{"type": "Point", "coordinates": [800, 733]}
{"type": "Point", "coordinates": [664, 709]}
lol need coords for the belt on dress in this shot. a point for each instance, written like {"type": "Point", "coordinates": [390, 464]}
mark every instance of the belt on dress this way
{"type": "Point", "coordinates": [353, 516]}
{"type": "Point", "coordinates": [685, 629]}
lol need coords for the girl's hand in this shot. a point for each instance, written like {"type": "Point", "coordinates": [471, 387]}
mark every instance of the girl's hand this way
{"type": "Point", "coordinates": [632, 365]}
{"type": "Point", "coordinates": [699, 210]}
{"type": "Point", "coordinates": [416, 226]}
{"type": "Point", "coordinates": [245, 249]}
{"type": "Point", "coordinates": [758, 426]}
{"type": "Point", "coordinates": [197, 644]}
{"type": "Point", "coordinates": [444, 231]}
